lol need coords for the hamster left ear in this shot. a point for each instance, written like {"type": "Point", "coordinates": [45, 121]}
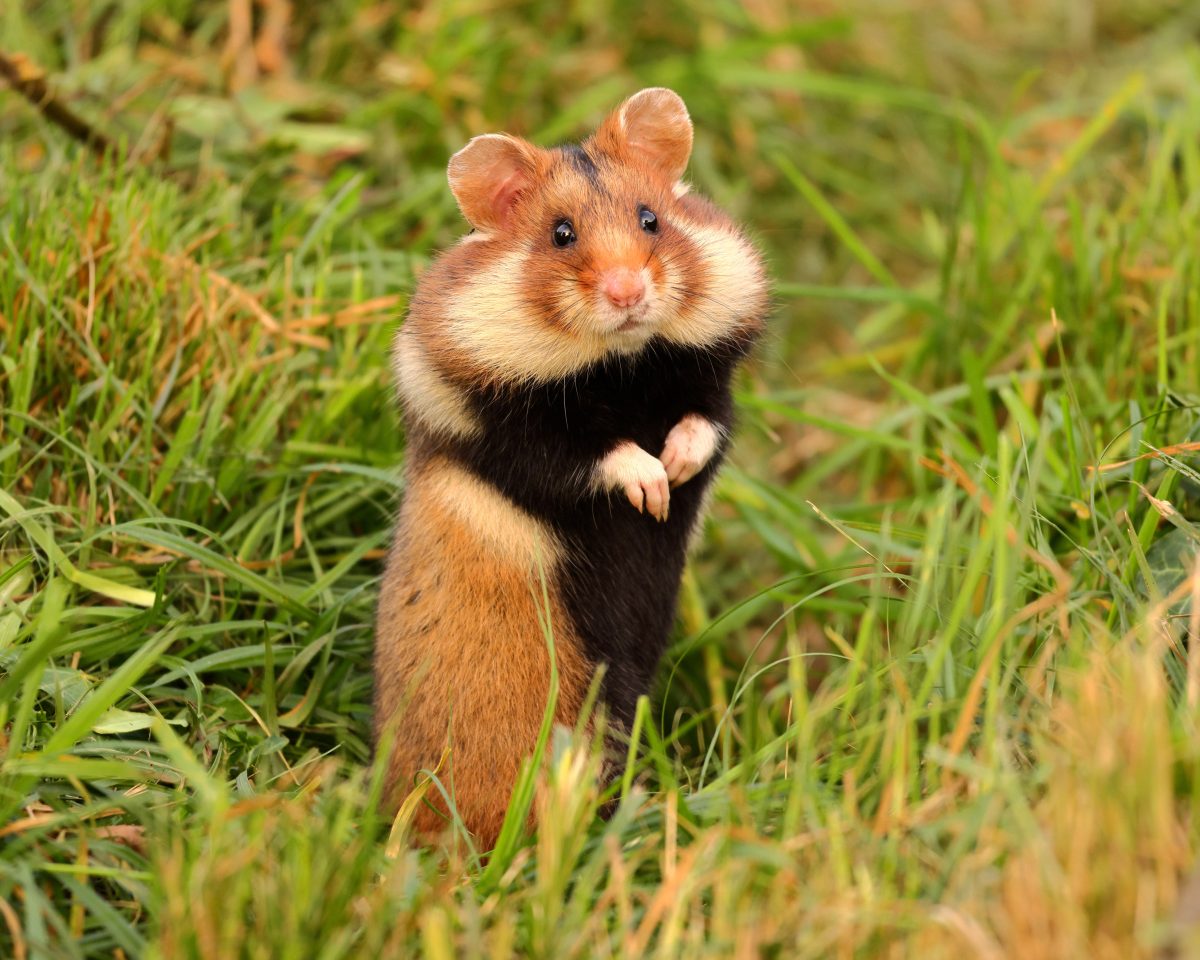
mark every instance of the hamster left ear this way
{"type": "Point", "coordinates": [654, 125]}
{"type": "Point", "coordinates": [488, 177]}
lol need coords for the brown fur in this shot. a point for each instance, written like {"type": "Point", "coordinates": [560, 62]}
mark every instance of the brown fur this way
{"type": "Point", "coordinates": [464, 659]}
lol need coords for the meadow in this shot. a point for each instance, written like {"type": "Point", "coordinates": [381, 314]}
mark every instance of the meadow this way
{"type": "Point", "coordinates": [931, 692]}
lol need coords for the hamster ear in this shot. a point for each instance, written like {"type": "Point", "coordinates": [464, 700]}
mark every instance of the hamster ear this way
{"type": "Point", "coordinates": [654, 125]}
{"type": "Point", "coordinates": [488, 175]}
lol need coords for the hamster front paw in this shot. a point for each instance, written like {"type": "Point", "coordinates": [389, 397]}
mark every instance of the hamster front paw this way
{"type": "Point", "coordinates": [690, 445]}
{"type": "Point", "coordinates": [641, 476]}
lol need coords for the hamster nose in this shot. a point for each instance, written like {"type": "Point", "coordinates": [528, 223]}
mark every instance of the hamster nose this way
{"type": "Point", "coordinates": [623, 287]}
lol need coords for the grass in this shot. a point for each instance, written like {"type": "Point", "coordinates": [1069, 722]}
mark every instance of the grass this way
{"type": "Point", "coordinates": [931, 693]}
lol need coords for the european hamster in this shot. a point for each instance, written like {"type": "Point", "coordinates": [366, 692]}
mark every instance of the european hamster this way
{"type": "Point", "coordinates": [564, 373]}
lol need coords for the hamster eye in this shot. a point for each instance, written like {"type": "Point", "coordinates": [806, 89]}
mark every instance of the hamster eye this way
{"type": "Point", "coordinates": [648, 220]}
{"type": "Point", "coordinates": [564, 234]}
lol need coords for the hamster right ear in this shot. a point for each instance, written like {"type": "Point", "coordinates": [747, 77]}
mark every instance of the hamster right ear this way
{"type": "Point", "coordinates": [654, 125]}
{"type": "Point", "coordinates": [488, 175]}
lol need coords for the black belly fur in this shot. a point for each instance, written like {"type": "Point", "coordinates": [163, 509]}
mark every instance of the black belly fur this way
{"type": "Point", "coordinates": [620, 579]}
{"type": "Point", "coordinates": [621, 586]}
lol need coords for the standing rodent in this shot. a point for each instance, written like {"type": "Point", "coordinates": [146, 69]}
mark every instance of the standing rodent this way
{"type": "Point", "coordinates": [564, 373]}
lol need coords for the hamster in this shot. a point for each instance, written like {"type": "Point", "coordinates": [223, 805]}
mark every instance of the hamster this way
{"type": "Point", "coordinates": [564, 374]}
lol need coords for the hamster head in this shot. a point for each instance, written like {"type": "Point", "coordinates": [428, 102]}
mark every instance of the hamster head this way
{"type": "Point", "coordinates": [587, 250]}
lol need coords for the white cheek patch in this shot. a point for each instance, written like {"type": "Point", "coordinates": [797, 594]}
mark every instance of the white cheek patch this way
{"type": "Point", "coordinates": [426, 395]}
{"type": "Point", "coordinates": [494, 325]}
{"type": "Point", "coordinates": [733, 288]}
{"type": "Point", "coordinates": [653, 296]}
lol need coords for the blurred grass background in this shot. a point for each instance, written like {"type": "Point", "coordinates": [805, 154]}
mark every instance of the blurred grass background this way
{"type": "Point", "coordinates": [931, 692]}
